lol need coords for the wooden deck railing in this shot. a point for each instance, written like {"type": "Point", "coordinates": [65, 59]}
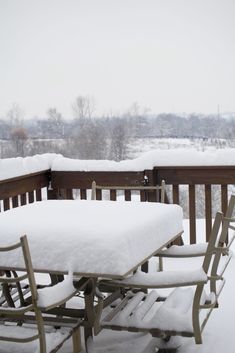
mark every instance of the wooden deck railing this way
{"type": "Point", "coordinates": [25, 189]}
{"type": "Point", "coordinates": [179, 180]}
{"type": "Point", "coordinates": [222, 176]}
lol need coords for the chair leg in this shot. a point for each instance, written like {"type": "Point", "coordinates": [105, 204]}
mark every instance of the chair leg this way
{"type": "Point", "coordinates": [89, 343]}
{"type": "Point", "coordinates": [7, 294]}
{"type": "Point", "coordinates": [195, 314]}
{"type": "Point", "coordinates": [76, 337]}
{"type": "Point", "coordinates": [159, 345]}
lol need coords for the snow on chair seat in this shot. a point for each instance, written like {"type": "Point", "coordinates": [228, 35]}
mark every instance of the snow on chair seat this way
{"type": "Point", "coordinates": [141, 312]}
{"type": "Point", "coordinates": [166, 279]}
{"type": "Point", "coordinates": [54, 337]}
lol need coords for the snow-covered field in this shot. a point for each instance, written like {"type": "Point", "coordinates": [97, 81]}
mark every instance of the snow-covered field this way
{"type": "Point", "coordinates": [139, 146]}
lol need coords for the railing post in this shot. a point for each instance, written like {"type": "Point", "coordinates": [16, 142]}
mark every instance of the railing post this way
{"type": "Point", "coordinates": [208, 211]}
{"type": "Point", "coordinates": [192, 214]}
{"type": "Point", "coordinates": [224, 198]}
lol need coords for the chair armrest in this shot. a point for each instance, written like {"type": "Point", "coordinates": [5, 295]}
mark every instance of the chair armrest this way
{"type": "Point", "coordinates": [192, 250]}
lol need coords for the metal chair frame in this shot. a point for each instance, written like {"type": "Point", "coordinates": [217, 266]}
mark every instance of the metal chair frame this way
{"type": "Point", "coordinates": [133, 307]}
{"type": "Point", "coordinates": [143, 189]}
{"type": "Point", "coordinates": [28, 310]}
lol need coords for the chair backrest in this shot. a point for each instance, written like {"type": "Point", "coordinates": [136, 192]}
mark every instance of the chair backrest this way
{"type": "Point", "coordinates": [146, 193]}
{"type": "Point", "coordinates": [12, 307]}
{"type": "Point", "coordinates": [216, 250]}
{"type": "Point", "coordinates": [221, 247]}
{"type": "Point", "coordinates": [182, 305]}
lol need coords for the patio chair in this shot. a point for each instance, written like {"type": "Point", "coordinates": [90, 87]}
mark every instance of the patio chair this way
{"type": "Point", "coordinates": [180, 313]}
{"type": "Point", "coordinates": [146, 193]}
{"type": "Point", "coordinates": [158, 192]}
{"type": "Point", "coordinates": [25, 323]}
{"type": "Point", "coordinates": [197, 250]}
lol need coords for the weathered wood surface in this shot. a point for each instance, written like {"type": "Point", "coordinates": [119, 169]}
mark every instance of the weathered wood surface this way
{"type": "Point", "coordinates": [24, 189]}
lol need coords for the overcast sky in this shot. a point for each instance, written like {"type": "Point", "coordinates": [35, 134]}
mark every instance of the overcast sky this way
{"type": "Point", "coordinates": [167, 55]}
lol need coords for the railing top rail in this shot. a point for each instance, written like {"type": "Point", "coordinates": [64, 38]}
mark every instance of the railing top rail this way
{"type": "Point", "coordinates": [24, 176]}
{"type": "Point", "coordinates": [25, 183]}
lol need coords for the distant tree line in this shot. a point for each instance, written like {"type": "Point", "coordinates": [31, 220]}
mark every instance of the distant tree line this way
{"type": "Point", "coordinates": [89, 137]}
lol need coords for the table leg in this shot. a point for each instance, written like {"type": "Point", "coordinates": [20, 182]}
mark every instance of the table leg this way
{"type": "Point", "coordinates": [158, 345]}
{"type": "Point", "coordinates": [89, 293]}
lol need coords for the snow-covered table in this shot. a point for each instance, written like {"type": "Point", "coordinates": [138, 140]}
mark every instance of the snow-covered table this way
{"type": "Point", "coordinates": [91, 238]}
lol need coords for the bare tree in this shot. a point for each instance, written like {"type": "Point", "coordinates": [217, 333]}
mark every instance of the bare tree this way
{"type": "Point", "coordinates": [118, 140]}
{"type": "Point", "coordinates": [83, 107]}
{"type": "Point", "coordinates": [19, 137]}
{"type": "Point", "coordinates": [15, 115]}
{"type": "Point", "coordinates": [89, 140]}
{"type": "Point", "coordinates": [55, 123]}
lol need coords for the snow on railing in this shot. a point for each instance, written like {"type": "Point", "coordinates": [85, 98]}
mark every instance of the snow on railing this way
{"type": "Point", "coordinates": [14, 167]}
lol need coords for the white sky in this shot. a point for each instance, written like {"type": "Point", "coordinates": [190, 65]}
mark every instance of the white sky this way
{"type": "Point", "coordinates": [167, 55]}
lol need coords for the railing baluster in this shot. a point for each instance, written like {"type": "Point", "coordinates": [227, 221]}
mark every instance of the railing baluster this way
{"type": "Point", "coordinates": [192, 214]}
{"type": "Point", "coordinates": [23, 200]}
{"type": "Point", "coordinates": [6, 204]}
{"type": "Point", "coordinates": [83, 194]}
{"type": "Point", "coordinates": [176, 200]}
{"type": "Point", "coordinates": [15, 201]}
{"type": "Point", "coordinates": [69, 194]}
{"type": "Point", "coordinates": [142, 195]}
{"type": "Point", "coordinates": [38, 194]}
{"type": "Point", "coordinates": [31, 196]}
{"type": "Point", "coordinates": [98, 194]}
{"type": "Point", "coordinates": [176, 194]}
{"type": "Point", "coordinates": [127, 194]}
{"type": "Point", "coordinates": [208, 210]}
{"type": "Point", "coordinates": [224, 198]}
{"type": "Point", "coordinates": [113, 195]}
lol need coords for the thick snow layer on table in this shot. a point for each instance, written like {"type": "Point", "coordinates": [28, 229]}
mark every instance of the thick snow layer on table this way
{"type": "Point", "coordinates": [97, 237]}
{"type": "Point", "coordinates": [13, 167]}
